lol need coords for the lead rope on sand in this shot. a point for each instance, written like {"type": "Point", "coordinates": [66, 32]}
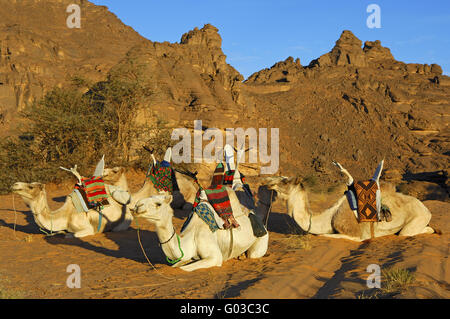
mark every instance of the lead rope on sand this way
{"type": "Point", "coordinates": [15, 216]}
{"type": "Point", "coordinates": [145, 255]}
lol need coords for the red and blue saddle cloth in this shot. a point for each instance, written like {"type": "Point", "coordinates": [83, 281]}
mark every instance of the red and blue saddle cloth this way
{"type": "Point", "coordinates": [93, 192]}
{"type": "Point", "coordinates": [217, 195]}
{"type": "Point", "coordinates": [163, 177]}
{"type": "Point", "coordinates": [228, 180]}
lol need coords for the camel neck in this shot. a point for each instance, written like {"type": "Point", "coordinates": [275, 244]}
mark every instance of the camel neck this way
{"type": "Point", "coordinates": [168, 239]}
{"type": "Point", "coordinates": [146, 190]}
{"type": "Point", "coordinates": [47, 219]}
{"type": "Point", "coordinates": [122, 183]}
{"type": "Point", "coordinates": [298, 208]}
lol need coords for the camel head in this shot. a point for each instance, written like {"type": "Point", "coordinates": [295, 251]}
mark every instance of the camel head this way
{"type": "Point", "coordinates": [112, 175]}
{"type": "Point", "coordinates": [283, 185]}
{"type": "Point", "coordinates": [155, 208]}
{"type": "Point", "coordinates": [28, 191]}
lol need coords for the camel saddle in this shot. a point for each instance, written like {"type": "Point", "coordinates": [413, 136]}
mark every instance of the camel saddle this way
{"type": "Point", "coordinates": [366, 197]}
{"type": "Point", "coordinates": [163, 177]}
{"type": "Point", "coordinates": [90, 194]}
{"type": "Point", "coordinates": [207, 215]}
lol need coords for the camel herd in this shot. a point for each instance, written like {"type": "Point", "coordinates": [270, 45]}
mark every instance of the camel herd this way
{"type": "Point", "coordinates": [197, 246]}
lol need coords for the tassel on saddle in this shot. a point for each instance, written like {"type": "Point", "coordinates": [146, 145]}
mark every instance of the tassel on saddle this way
{"type": "Point", "coordinates": [385, 214]}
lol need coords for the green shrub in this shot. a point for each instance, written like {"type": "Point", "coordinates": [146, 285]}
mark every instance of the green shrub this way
{"type": "Point", "coordinates": [67, 127]}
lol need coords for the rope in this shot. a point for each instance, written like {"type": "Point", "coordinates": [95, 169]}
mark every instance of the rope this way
{"type": "Point", "coordinates": [51, 227]}
{"type": "Point", "coordinates": [182, 253]}
{"type": "Point", "coordinates": [145, 255]}
{"type": "Point", "coordinates": [100, 215]}
{"type": "Point", "coordinates": [270, 209]}
{"type": "Point", "coordinates": [15, 216]}
{"type": "Point", "coordinates": [160, 243]}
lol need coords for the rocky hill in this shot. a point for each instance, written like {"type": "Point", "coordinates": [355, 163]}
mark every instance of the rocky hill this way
{"type": "Point", "coordinates": [355, 104]}
{"type": "Point", "coordinates": [38, 51]}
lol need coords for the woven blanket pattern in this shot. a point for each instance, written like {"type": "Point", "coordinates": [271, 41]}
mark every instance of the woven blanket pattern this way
{"type": "Point", "coordinates": [218, 176]}
{"type": "Point", "coordinates": [161, 177]}
{"type": "Point", "coordinates": [206, 214]}
{"type": "Point", "coordinates": [218, 198]}
{"type": "Point", "coordinates": [367, 201]}
{"type": "Point", "coordinates": [228, 177]}
{"type": "Point", "coordinates": [94, 189]}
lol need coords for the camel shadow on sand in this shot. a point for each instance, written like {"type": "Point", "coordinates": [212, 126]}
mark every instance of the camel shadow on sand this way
{"type": "Point", "coordinates": [346, 274]}
{"type": "Point", "coordinates": [127, 242]}
{"type": "Point", "coordinates": [30, 228]}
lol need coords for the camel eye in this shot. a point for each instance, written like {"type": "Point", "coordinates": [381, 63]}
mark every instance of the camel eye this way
{"type": "Point", "coordinates": [158, 204]}
{"type": "Point", "coordinates": [30, 187]}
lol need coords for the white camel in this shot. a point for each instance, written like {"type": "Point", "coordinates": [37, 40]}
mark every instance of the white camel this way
{"type": "Point", "coordinates": [115, 217]}
{"type": "Point", "coordinates": [410, 216]}
{"type": "Point", "coordinates": [197, 246]}
{"type": "Point", "coordinates": [181, 199]}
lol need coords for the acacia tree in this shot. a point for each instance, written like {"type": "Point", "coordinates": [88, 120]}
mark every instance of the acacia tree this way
{"type": "Point", "coordinates": [121, 95]}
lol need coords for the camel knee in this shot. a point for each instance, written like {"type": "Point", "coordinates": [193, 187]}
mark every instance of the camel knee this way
{"type": "Point", "coordinates": [259, 248]}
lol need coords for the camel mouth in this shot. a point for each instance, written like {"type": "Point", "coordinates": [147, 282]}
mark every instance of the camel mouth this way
{"type": "Point", "coordinates": [16, 189]}
{"type": "Point", "coordinates": [137, 210]}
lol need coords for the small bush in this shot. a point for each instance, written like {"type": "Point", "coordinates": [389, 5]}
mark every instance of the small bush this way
{"type": "Point", "coordinates": [68, 127]}
{"type": "Point", "coordinates": [396, 279]}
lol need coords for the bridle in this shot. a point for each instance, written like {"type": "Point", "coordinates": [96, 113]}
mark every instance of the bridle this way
{"type": "Point", "coordinates": [169, 238]}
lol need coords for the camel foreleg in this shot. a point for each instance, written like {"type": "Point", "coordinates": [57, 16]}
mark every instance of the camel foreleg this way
{"type": "Point", "coordinates": [211, 261]}
{"type": "Point", "coordinates": [259, 248]}
{"type": "Point", "coordinates": [342, 236]}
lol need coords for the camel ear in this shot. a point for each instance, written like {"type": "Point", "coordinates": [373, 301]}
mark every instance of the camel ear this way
{"type": "Point", "coordinates": [40, 186]}
{"type": "Point", "coordinates": [298, 181]}
{"type": "Point", "coordinates": [168, 199]}
{"type": "Point", "coordinates": [118, 169]}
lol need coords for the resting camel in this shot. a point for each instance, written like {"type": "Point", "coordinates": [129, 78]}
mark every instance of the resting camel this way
{"type": "Point", "coordinates": [181, 199]}
{"type": "Point", "coordinates": [410, 216]}
{"type": "Point", "coordinates": [116, 176]}
{"type": "Point", "coordinates": [116, 217]}
{"type": "Point", "coordinates": [197, 242]}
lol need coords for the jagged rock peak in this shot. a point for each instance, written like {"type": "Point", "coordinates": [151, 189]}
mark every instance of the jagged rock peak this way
{"type": "Point", "coordinates": [283, 71]}
{"type": "Point", "coordinates": [374, 50]}
{"type": "Point", "coordinates": [346, 51]}
{"type": "Point", "coordinates": [207, 36]}
{"type": "Point", "coordinates": [347, 38]}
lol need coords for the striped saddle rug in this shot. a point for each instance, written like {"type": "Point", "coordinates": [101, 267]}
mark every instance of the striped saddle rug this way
{"type": "Point", "coordinates": [90, 194]}
{"type": "Point", "coordinates": [219, 200]}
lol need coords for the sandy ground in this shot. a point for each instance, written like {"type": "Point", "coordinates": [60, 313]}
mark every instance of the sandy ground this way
{"type": "Point", "coordinates": [33, 265]}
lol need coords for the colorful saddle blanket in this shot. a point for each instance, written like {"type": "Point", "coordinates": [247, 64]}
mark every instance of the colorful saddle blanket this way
{"type": "Point", "coordinates": [95, 190]}
{"type": "Point", "coordinates": [228, 180]}
{"type": "Point", "coordinates": [219, 200]}
{"type": "Point", "coordinates": [90, 194]}
{"type": "Point", "coordinates": [228, 177]}
{"type": "Point", "coordinates": [205, 213]}
{"type": "Point", "coordinates": [162, 177]}
{"type": "Point", "coordinates": [366, 194]}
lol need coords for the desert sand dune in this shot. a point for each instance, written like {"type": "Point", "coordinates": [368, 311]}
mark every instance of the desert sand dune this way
{"type": "Point", "coordinates": [296, 266]}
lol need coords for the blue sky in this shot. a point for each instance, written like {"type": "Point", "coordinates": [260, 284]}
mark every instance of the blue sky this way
{"type": "Point", "coordinates": [258, 33]}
